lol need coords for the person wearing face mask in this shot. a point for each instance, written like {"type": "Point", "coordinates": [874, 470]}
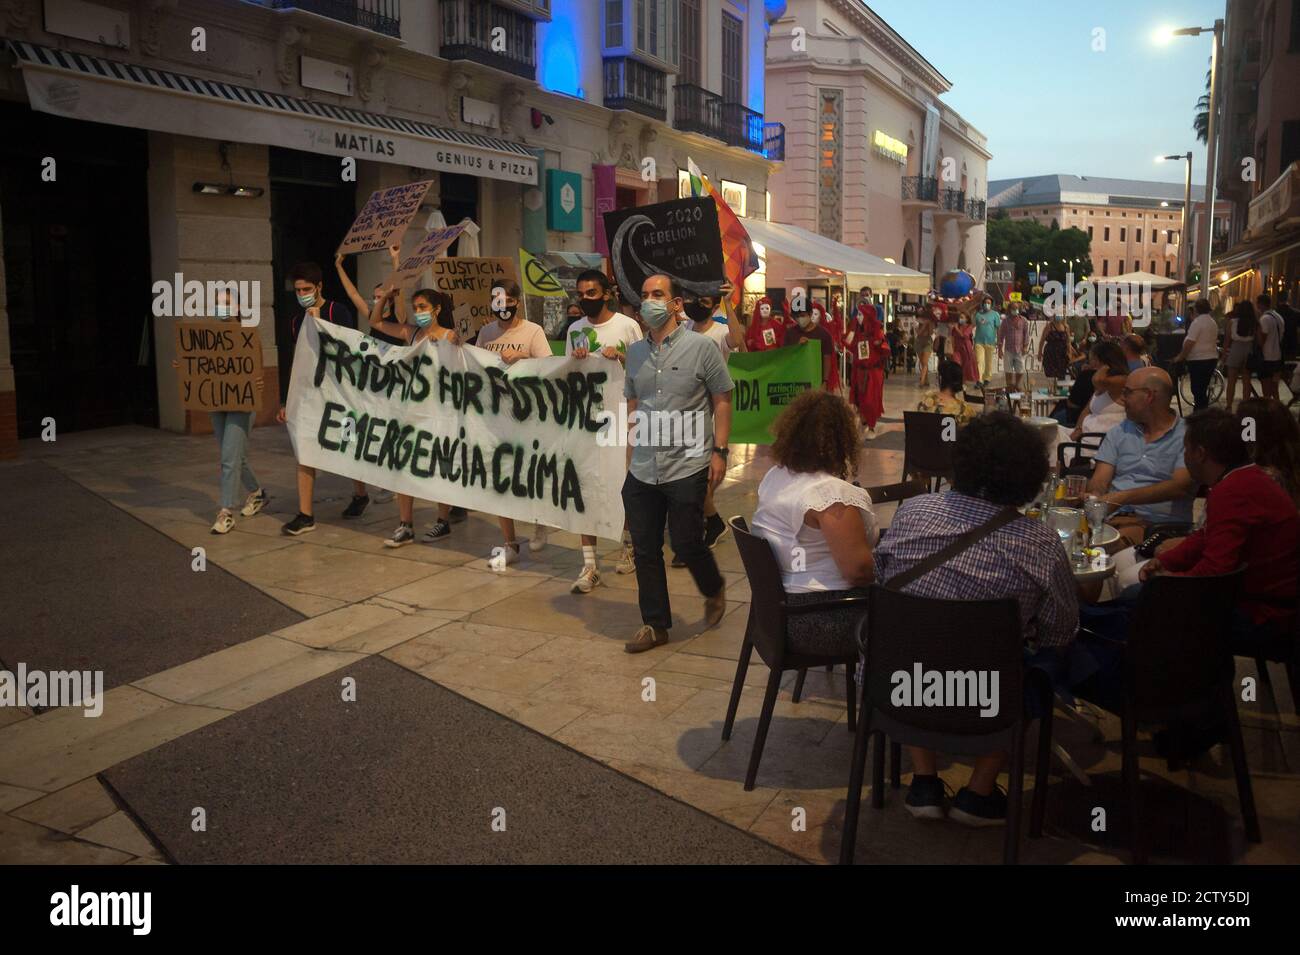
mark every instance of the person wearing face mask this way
{"type": "Point", "coordinates": [807, 329]}
{"type": "Point", "coordinates": [426, 308]}
{"type": "Point", "coordinates": [766, 327]}
{"type": "Point", "coordinates": [702, 317]}
{"type": "Point", "coordinates": [963, 347]}
{"type": "Point", "coordinates": [987, 323]}
{"type": "Point", "coordinates": [513, 338]}
{"type": "Point", "coordinates": [673, 374]}
{"type": "Point", "coordinates": [364, 308]}
{"type": "Point", "coordinates": [866, 343]}
{"type": "Point", "coordinates": [572, 314]}
{"type": "Point", "coordinates": [823, 320]}
{"type": "Point", "coordinates": [599, 331]}
{"type": "Point", "coordinates": [308, 288]}
{"type": "Point", "coordinates": [232, 429]}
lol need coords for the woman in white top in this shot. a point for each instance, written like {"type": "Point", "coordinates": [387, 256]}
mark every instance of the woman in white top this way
{"type": "Point", "coordinates": [1201, 352]}
{"type": "Point", "coordinates": [821, 527]}
{"type": "Point", "coordinates": [1105, 409]}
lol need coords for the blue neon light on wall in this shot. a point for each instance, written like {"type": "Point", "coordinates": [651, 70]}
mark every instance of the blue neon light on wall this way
{"type": "Point", "coordinates": [557, 67]}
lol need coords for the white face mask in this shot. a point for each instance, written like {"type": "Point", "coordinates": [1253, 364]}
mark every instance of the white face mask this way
{"type": "Point", "coordinates": [765, 311]}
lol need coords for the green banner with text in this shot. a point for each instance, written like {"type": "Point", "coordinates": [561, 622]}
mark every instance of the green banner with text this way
{"type": "Point", "coordinates": [766, 382]}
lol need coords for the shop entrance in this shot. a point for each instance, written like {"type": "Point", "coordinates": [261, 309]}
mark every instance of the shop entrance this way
{"type": "Point", "coordinates": [458, 199]}
{"type": "Point", "coordinates": [76, 259]}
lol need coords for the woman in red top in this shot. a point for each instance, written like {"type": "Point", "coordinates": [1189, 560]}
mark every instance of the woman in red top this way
{"type": "Point", "coordinates": [766, 327]}
{"type": "Point", "coordinates": [869, 351]}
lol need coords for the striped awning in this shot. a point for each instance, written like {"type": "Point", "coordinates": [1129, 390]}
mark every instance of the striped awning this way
{"type": "Point", "coordinates": [81, 86]}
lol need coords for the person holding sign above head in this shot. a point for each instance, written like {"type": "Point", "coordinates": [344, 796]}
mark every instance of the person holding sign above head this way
{"type": "Point", "coordinates": [232, 429]}
{"type": "Point", "coordinates": [427, 308]}
{"type": "Point", "coordinates": [365, 308]}
{"type": "Point", "coordinates": [513, 338]}
{"type": "Point", "coordinates": [308, 287]}
{"type": "Point", "coordinates": [673, 376]}
{"type": "Point", "coordinates": [609, 334]}
{"type": "Point", "coordinates": [766, 327]}
{"type": "Point", "coordinates": [866, 343]}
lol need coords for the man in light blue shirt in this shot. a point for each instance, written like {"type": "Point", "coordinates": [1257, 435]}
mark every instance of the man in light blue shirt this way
{"type": "Point", "coordinates": [1139, 466]}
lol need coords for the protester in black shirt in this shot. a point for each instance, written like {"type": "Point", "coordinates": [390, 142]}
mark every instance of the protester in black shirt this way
{"type": "Point", "coordinates": [807, 329]}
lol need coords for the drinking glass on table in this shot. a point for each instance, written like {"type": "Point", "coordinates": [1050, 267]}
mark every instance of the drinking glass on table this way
{"type": "Point", "coordinates": [1076, 485]}
{"type": "Point", "coordinates": [1063, 520]}
{"type": "Point", "coordinates": [1096, 511]}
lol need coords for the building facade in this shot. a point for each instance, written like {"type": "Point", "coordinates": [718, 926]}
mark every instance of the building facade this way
{"type": "Point", "coordinates": [1132, 225]}
{"type": "Point", "coordinates": [212, 139]}
{"type": "Point", "coordinates": [874, 158]}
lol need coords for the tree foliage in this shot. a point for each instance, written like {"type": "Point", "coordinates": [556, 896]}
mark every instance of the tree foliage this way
{"type": "Point", "coordinates": [1024, 241]}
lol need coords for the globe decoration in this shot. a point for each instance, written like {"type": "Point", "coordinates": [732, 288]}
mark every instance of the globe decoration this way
{"type": "Point", "coordinates": [956, 284]}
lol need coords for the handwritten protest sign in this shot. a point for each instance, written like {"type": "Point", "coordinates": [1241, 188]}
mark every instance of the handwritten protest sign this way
{"type": "Point", "coordinates": [468, 281]}
{"type": "Point", "coordinates": [384, 218]}
{"type": "Point", "coordinates": [457, 425]}
{"type": "Point", "coordinates": [678, 238]}
{"type": "Point", "coordinates": [220, 365]}
{"type": "Point", "coordinates": [766, 382]}
{"type": "Point", "coordinates": [427, 252]}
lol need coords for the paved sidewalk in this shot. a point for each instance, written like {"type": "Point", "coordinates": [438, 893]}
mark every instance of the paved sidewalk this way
{"type": "Point", "coordinates": [520, 644]}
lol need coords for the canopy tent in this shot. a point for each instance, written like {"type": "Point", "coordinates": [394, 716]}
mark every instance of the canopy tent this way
{"type": "Point", "coordinates": [820, 254]}
{"type": "Point", "coordinates": [1136, 278]}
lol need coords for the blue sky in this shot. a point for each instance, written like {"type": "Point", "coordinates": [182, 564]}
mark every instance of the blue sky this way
{"type": "Point", "coordinates": [1024, 73]}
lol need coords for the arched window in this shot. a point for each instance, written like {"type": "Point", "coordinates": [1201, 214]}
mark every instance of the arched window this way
{"type": "Point", "coordinates": [907, 254]}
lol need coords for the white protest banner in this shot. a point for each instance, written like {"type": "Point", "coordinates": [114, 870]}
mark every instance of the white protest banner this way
{"type": "Point", "coordinates": [427, 252]}
{"type": "Point", "coordinates": [455, 424]}
{"type": "Point", "coordinates": [382, 221]}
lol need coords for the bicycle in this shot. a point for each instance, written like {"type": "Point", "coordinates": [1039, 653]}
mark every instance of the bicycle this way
{"type": "Point", "coordinates": [1218, 385]}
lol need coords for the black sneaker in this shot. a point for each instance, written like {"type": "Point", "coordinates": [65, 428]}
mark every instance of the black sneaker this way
{"type": "Point", "coordinates": [714, 528]}
{"type": "Point", "coordinates": [358, 505]}
{"type": "Point", "coordinates": [926, 797]}
{"type": "Point", "coordinates": [301, 524]}
{"type": "Point", "coordinates": [405, 534]}
{"type": "Point", "coordinates": [439, 530]}
{"type": "Point", "coordinates": [678, 562]}
{"type": "Point", "coordinates": [972, 809]}
{"type": "Point", "coordinates": [457, 515]}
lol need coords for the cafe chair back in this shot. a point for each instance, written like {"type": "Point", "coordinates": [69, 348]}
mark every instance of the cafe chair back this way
{"type": "Point", "coordinates": [925, 453]}
{"type": "Point", "coordinates": [1081, 460]}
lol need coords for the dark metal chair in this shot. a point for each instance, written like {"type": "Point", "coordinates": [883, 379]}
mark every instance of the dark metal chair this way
{"type": "Point", "coordinates": [951, 636]}
{"type": "Point", "coordinates": [766, 632]}
{"type": "Point", "coordinates": [925, 453]}
{"type": "Point", "coordinates": [1085, 449]}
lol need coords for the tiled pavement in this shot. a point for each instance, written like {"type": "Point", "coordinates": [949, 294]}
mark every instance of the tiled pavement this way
{"type": "Point", "coordinates": [520, 644]}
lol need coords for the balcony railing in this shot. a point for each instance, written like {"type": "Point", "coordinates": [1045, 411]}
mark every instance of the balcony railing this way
{"type": "Point", "coordinates": [379, 16]}
{"type": "Point", "coordinates": [975, 210]}
{"type": "Point", "coordinates": [920, 189]}
{"type": "Point", "coordinates": [467, 28]}
{"type": "Point", "coordinates": [743, 126]}
{"type": "Point", "coordinates": [774, 141]}
{"type": "Point", "coordinates": [953, 200]}
{"type": "Point", "coordinates": [630, 84]}
{"type": "Point", "coordinates": [696, 110]}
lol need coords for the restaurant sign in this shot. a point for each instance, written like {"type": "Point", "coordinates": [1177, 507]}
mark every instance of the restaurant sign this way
{"type": "Point", "coordinates": [1282, 199]}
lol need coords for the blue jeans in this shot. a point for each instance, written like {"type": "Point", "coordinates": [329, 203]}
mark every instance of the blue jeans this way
{"type": "Point", "coordinates": [231, 429]}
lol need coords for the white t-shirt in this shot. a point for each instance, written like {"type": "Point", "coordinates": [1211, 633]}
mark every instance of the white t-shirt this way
{"type": "Point", "coordinates": [1204, 335]}
{"type": "Point", "coordinates": [1103, 414]}
{"type": "Point", "coordinates": [784, 498]}
{"type": "Point", "coordinates": [1274, 327]}
{"type": "Point", "coordinates": [617, 330]}
{"type": "Point", "coordinates": [717, 332]}
{"type": "Point", "coordinates": [526, 335]}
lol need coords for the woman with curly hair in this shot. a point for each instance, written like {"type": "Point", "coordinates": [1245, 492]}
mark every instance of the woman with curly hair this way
{"type": "Point", "coordinates": [821, 527]}
{"type": "Point", "coordinates": [1276, 447]}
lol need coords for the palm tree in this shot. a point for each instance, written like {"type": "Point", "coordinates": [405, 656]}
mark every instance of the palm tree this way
{"type": "Point", "coordinates": [1201, 122]}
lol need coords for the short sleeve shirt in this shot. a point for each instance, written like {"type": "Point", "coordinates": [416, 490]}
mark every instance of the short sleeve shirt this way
{"type": "Point", "coordinates": [716, 333]}
{"type": "Point", "coordinates": [1204, 334]}
{"type": "Point", "coordinates": [1273, 327]}
{"type": "Point", "coordinates": [618, 332]}
{"type": "Point", "coordinates": [526, 335]}
{"type": "Point", "coordinates": [673, 383]}
{"type": "Point", "coordinates": [1139, 463]}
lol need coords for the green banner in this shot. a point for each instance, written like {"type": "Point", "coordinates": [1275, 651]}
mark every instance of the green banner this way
{"type": "Point", "coordinates": [766, 382]}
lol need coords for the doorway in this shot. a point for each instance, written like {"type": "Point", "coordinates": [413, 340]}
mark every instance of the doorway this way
{"type": "Point", "coordinates": [458, 199]}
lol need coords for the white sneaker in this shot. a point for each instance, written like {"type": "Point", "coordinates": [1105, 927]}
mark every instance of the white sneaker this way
{"type": "Point", "coordinates": [587, 581]}
{"type": "Point", "coordinates": [255, 502]}
{"type": "Point", "coordinates": [538, 540]}
{"type": "Point", "coordinates": [626, 562]}
{"type": "Point", "coordinates": [503, 555]}
{"type": "Point", "coordinates": [225, 523]}
{"type": "Point", "coordinates": [871, 434]}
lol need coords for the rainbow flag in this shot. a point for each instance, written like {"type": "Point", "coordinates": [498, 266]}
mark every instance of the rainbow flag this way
{"type": "Point", "coordinates": [738, 255]}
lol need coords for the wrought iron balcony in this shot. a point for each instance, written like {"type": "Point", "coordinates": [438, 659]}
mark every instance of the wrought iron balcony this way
{"type": "Point", "coordinates": [467, 28]}
{"type": "Point", "coordinates": [744, 127]}
{"type": "Point", "coordinates": [952, 200]}
{"type": "Point", "coordinates": [920, 189]}
{"type": "Point", "coordinates": [630, 84]}
{"type": "Point", "coordinates": [379, 16]}
{"type": "Point", "coordinates": [975, 210]}
{"type": "Point", "coordinates": [774, 141]}
{"type": "Point", "coordinates": [696, 110]}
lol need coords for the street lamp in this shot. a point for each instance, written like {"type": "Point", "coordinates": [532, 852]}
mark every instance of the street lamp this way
{"type": "Point", "coordinates": [1187, 205]}
{"type": "Point", "coordinates": [1211, 143]}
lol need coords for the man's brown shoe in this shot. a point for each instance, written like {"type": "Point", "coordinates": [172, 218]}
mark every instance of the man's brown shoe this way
{"type": "Point", "coordinates": [715, 607]}
{"type": "Point", "coordinates": [647, 638]}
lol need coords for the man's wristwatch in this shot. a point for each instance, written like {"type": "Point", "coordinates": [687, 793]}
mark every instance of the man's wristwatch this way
{"type": "Point", "coordinates": [723, 452]}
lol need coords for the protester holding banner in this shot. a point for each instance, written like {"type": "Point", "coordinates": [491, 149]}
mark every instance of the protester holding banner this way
{"type": "Point", "coordinates": [364, 308]}
{"type": "Point", "coordinates": [867, 345]}
{"type": "Point", "coordinates": [599, 331]}
{"type": "Point", "coordinates": [673, 375]}
{"type": "Point", "coordinates": [308, 287]}
{"type": "Point", "coordinates": [766, 327]}
{"type": "Point", "coordinates": [514, 338]}
{"type": "Point", "coordinates": [806, 329]}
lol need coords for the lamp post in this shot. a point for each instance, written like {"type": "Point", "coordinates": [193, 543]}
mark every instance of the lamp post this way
{"type": "Point", "coordinates": [1186, 217]}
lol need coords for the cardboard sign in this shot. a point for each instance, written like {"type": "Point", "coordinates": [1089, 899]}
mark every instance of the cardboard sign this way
{"type": "Point", "coordinates": [678, 238]}
{"type": "Point", "coordinates": [382, 221]}
{"type": "Point", "coordinates": [427, 252]}
{"type": "Point", "coordinates": [220, 365]}
{"type": "Point", "coordinates": [468, 281]}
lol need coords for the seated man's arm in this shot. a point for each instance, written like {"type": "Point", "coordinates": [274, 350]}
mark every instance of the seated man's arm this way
{"type": "Point", "coordinates": [1180, 485]}
{"type": "Point", "coordinates": [1102, 474]}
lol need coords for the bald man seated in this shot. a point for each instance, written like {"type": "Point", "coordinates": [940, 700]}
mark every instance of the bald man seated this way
{"type": "Point", "coordinates": [1139, 466]}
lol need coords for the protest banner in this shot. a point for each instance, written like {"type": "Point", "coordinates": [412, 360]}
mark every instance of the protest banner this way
{"type": "Point", "coordinates": [427, 252]}
{"type": "Point", "coordinates": [457, 425]}
{"type": "Point", "coordinates": [383, 219]}
{"type": "Point", "coordinates": [766, 382]}
{"type": "Point", "coordinates": [468, 282]}
{"type": "Point", "coordinates": [678, 238]}
{"type": "Point", "coordinates": [220, 365]}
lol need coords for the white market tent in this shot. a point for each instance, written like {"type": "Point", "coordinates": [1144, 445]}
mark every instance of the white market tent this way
{"type": "Point", "coordinates": [1135, 278]}
{"type": "Point", "coordinates": [818, 252]}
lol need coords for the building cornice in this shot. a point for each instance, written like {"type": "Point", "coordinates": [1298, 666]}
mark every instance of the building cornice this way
{"type": "Point", "coordinates": [888, 39]}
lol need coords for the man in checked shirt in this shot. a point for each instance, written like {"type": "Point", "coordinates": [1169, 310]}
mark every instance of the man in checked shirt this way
{"type": "Point", "coordinates": [998, 461]}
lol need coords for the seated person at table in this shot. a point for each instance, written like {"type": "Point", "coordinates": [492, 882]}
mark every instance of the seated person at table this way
{"type": "Point", "coordinates": [1135, 352]}
{"type": "Point", "coordinates": [998, 462]}
{"type": "Point", "coordinates": [947, 398]}
{"type": "Point", "coordinates": [1139, 466]}
{"type": "Point", "coordinates": [1069, 408]}
{"type": "Point", "coordinates": [1276, 447]}
{"type": "Point", "coordinates": [820, 527]}
{"type": "Point", "coordinates": [1105, 408]}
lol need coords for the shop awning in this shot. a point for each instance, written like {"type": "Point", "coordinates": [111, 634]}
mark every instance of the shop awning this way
{"type": "Point", "coordinates": [97, 90]}
{"type": "Point", "coordinates": [820, 253]}
{"type": "Point", "coordinates": [1135, 278]}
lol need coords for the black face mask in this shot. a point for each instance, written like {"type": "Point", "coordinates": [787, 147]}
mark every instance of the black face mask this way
{"type": "Point", "coordinates": [591, 307]}
{"type": "Point", "coordinates": [697, 312]}
{"type": "Point", "coordinates": [507, 314]}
